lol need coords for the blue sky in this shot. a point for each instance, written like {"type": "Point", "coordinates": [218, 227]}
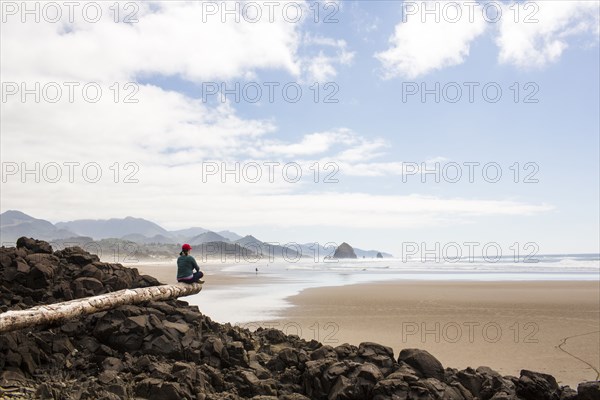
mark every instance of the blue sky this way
{"type": "Point", "coordinates": [370, 54]}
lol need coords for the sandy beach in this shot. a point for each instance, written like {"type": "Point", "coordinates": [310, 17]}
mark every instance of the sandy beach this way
{"type": "Point", "coordinates": [550, 327]}
{"type": "Point", "coordinates": [545, 326]}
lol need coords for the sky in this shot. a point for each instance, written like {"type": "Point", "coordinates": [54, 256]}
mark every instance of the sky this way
{"type": "Point", "coordinates": [378, 123]}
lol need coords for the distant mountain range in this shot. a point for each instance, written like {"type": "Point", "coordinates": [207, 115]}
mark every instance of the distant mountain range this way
{"type": "Point", "coordinates": [14, 224]}
{"type": "Point", "coordinates": [114, 227]}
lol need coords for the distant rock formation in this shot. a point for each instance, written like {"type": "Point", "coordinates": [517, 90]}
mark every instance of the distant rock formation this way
{"type": "Point", "coordinates": [344, 250]}
{"type": "Point", "coordinates": [379, 255]}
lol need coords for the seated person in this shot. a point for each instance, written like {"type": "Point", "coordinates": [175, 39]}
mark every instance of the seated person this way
{"type": "Point", "coordinates": [187, 268]}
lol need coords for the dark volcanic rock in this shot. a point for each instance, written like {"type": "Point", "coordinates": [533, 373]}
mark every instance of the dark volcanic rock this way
{"type": "Point", "coordinates": [424, 363]}
{"type": "Point", "coordinates": [344, 250]}
{"type": "Point", "coordinates": [537, 386]}
{"type": "Point", "coordinates": [378, 355]}
{"type": "Point", "coordinates": [324, 352]}
{"type": "Point", "coordinates": [76, 255]}
{"type": "Point", "coordinates": [35, 246]}
{"type": "Point", "coordinates": [87, 287]}
{"type": "Point", "coordinates": [588, 390]}
{"type": "Point", "coordinates": [169, 350]}
{"type": "Point", "coordinates": [568, 394]}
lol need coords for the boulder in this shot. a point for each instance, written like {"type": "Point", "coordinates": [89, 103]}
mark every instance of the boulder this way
{"type": "Point", "coordinates": [569, 394]}
{"type": "Point", "coordinates": [260, 371]}
{"type": "Point", "coordinates": [346, 350]}
{"type": "Point", "coordinates": [286, 358]}
{"type": "Point", "coordinates": [379, 355]}
{"type": "Point", "coordinates": [424, 363]}
{"type": "Point", "coordinates": [324, 352]}
{"type": "Point", "coordinates": [164, 345]}
{"type": "Point", "coordinates": [249, 385]}
{"type": "Point", "coordinates": [86, 287]}
{"type": "Point", "coordinates": [77, 256]}
{"type": "Point", "coordinates": [497, 387]}
{"type": "Point", "coordinates": [471, 380]}
{"type": "Point", "coordinates": [40, 276]}
{"type": "Point", "coordinates": [91, 271]}
{"type": "Point", "coordinates": [537, 386]}
{"type": "Point", "coordinates": [237, 353]}
{"type": "Point", "coordinates": [345, 389]}
{"type": "Point", "coordinates": [588, 390]}
{"type": "Point", "coordinates": [391, 388]}
{"type": "Point", "coordinates": [5, 259]}
{"type": "Point", "coordinates": [272, 336]}
{"type": "Point", "coordinates": [313, 382]}
{"type": "Point", "coordinates": [214, 353]}
{"type": "Point", "coordinates": [35, 246]}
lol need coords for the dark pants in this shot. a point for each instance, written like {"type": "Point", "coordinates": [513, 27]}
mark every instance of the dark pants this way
{"type": "Point", "coordinates": [197, 276]}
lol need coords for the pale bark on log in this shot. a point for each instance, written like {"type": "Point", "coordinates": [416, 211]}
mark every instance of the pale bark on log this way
{"type": "Point", "coordinates": [59, 312]}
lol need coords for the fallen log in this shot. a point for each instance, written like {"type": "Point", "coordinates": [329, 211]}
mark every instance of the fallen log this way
{"type": "Point", "coordinates": [59, 312]}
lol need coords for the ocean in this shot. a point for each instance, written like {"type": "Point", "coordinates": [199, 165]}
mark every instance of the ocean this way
{"type": "Point", "coordinates": [276, 281]}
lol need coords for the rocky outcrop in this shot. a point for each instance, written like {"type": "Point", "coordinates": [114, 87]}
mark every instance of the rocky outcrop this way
{"type": "Point", "coordinates": [379, 255]}
{"type": "Point", "coordinates": [169, 350]}
{"type": "Point", "coordinates": [344, 250]}
{"type": "Point", "coordinates": [588, 390]}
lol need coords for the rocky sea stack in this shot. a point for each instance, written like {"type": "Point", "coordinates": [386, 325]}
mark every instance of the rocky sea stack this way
{"type": "Point", "coordinates": [344, 250]}
{"type": "Point", "coordinates": [168, 350]}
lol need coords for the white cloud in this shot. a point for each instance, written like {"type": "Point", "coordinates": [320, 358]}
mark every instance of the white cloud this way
{"type": "Point", "coordinates": [170, 38]}
{"type": "Point", "coordinates": [529, 34]}
{"type": "Point", "coordinates": [392, 168]}
{"type": "Point", "coordinates": [422, 45]}
{"type": "Point", "coordinates": [163, 127]}
{"type": "Point", "coordinates": [310, 144]}
{"type": "Point", "coordinates": [373, 169]}
{"type": "Point", "coordinates": [323, 67]}
{"type": "Point", "coordinates": [343, 145]}
{"type": "Point", "coordinates": [364, 150]}
{"type": "Point", "coordinates": [541, 32]}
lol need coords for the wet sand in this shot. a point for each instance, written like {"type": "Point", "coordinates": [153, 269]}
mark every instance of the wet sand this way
{"type": "Point", "coordinates": [551, 327]}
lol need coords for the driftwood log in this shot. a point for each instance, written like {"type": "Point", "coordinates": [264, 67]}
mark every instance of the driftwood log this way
{"type": "Point", "coordinates": [59, 312]}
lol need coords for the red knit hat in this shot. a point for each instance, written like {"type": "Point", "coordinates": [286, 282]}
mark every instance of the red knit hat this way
{"type": "Point", "coordinates": [186, 247]}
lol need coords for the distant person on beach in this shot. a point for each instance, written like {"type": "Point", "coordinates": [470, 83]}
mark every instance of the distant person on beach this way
{"type": "Point", "coordinates": [187, 267]}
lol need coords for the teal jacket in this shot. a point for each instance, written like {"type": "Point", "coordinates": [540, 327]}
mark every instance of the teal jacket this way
{"type": "Point", "coordinates": [186, 265]}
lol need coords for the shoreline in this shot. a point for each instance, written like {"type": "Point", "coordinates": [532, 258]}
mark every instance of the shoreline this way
{"type": "Point", "coordinates": [507, 325]}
